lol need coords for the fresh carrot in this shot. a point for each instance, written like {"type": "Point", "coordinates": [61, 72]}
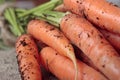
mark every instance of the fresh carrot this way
{"type": "Point", "coordinates": [28, 58]}
{"type": "Point", "coordinates": [99, 12]}
{"type": "Point", "coordinates": [63, 68]}
{"type": "Point", "coordinates": [85, 36]}
{"type": "Point", "coordinates": [93, 44]}
{"type": "Point", "coordinates": [53, 37]}
{"type": "Point", "coordinates": [114, 39]}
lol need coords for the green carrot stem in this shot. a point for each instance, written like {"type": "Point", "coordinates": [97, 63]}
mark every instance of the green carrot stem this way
{"type": "Point", "coordinates": [19, 10]}
{"type": "Point", "coordinates": [51, 22]}
{"type": "Point", "coordinates": [47, 6]}
{"type": "Point", "coordinates": [52, 17]}
{"type": "Point", "coordinates": [12, 13]}
{"type": "Point", "coordinates": [11, 18]}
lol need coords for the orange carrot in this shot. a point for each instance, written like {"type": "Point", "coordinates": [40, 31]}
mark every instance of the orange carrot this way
{"type": "Point", "coordinates": [114, 39]}
{"type": "Point", "coordinates": [99, 12]}
{"type": "Point", "coordinates": [93, 44]}
{"type": "Point", "coordinates": [28, 58]}
{"type": "Point", "coordinates": [85, 36]}
{"type": "Point", "coordinates": [52, 37]}
{"type": "Point", "coordinates": [60, 8]}
{"type": "Point", "coordinates": [81, 56]}
{"type": "Point", "coordinates": [62, 67]}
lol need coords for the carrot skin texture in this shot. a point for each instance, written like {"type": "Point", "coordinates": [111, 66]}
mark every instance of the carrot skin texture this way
{"type": "Point", "coordinates": [46, 32]}
{"type": "Point", "coordinates": [107, 16]}
{"type": "Point", "coordinates": [63, 68]}
{"type": "Point", "coordinates": [28, 58]}
{"type": "Point", "coordinates": [61, 8]}
{"type": "Point", "coordinates": [53, 37]}
{"type": "Point", "coordinates": [114, 39]}
{"type": "Point", "coordinates": [93, 44]}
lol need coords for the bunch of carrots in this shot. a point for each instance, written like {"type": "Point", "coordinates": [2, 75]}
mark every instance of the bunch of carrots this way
{"type": "Point", "coordinates": [62, 31]}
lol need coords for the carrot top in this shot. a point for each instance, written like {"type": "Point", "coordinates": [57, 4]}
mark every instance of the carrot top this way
{"type": "Point", "coordinates": [46, 6]}
{"type": "Point", "coordinates": [19, 18]}
{"type": "Point", "coordinates": [53, 17]}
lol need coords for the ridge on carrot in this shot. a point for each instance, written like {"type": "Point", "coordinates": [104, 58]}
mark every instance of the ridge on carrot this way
{"type": "Point", "coordinates": [85, 36]}
{"type": "Point", "coordinates": [53, 37]}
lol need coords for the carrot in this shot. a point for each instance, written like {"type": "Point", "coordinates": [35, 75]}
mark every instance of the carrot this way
{"type": "Point", "coordinates": [93, 44]}
{"type": "Point", "coordinates": [114, 39]}
{"type": "Point", "coordinates": [52, 37]}
{"type": "Point", "coordinates": [62, 67]}
{"type": "Point", "coordinates": [60, 8]}
{"type": "Point", "coordinates": [28, 58]}
{"type": "Point", "coordinates": [101, 13]}
{"type": "Point", "coordinates": [85, 36]}
{"type": "Point", "coordinates": [81, 56]}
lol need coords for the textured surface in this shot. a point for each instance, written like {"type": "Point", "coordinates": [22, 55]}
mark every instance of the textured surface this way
{"type": "Point", "coordinates": [8, 65]}
{"type": "Point", "coordinates": [8, 62]}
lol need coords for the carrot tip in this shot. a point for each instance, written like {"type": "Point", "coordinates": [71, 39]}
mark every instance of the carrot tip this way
{"type": "Point", "coordinates": [73, 58]}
